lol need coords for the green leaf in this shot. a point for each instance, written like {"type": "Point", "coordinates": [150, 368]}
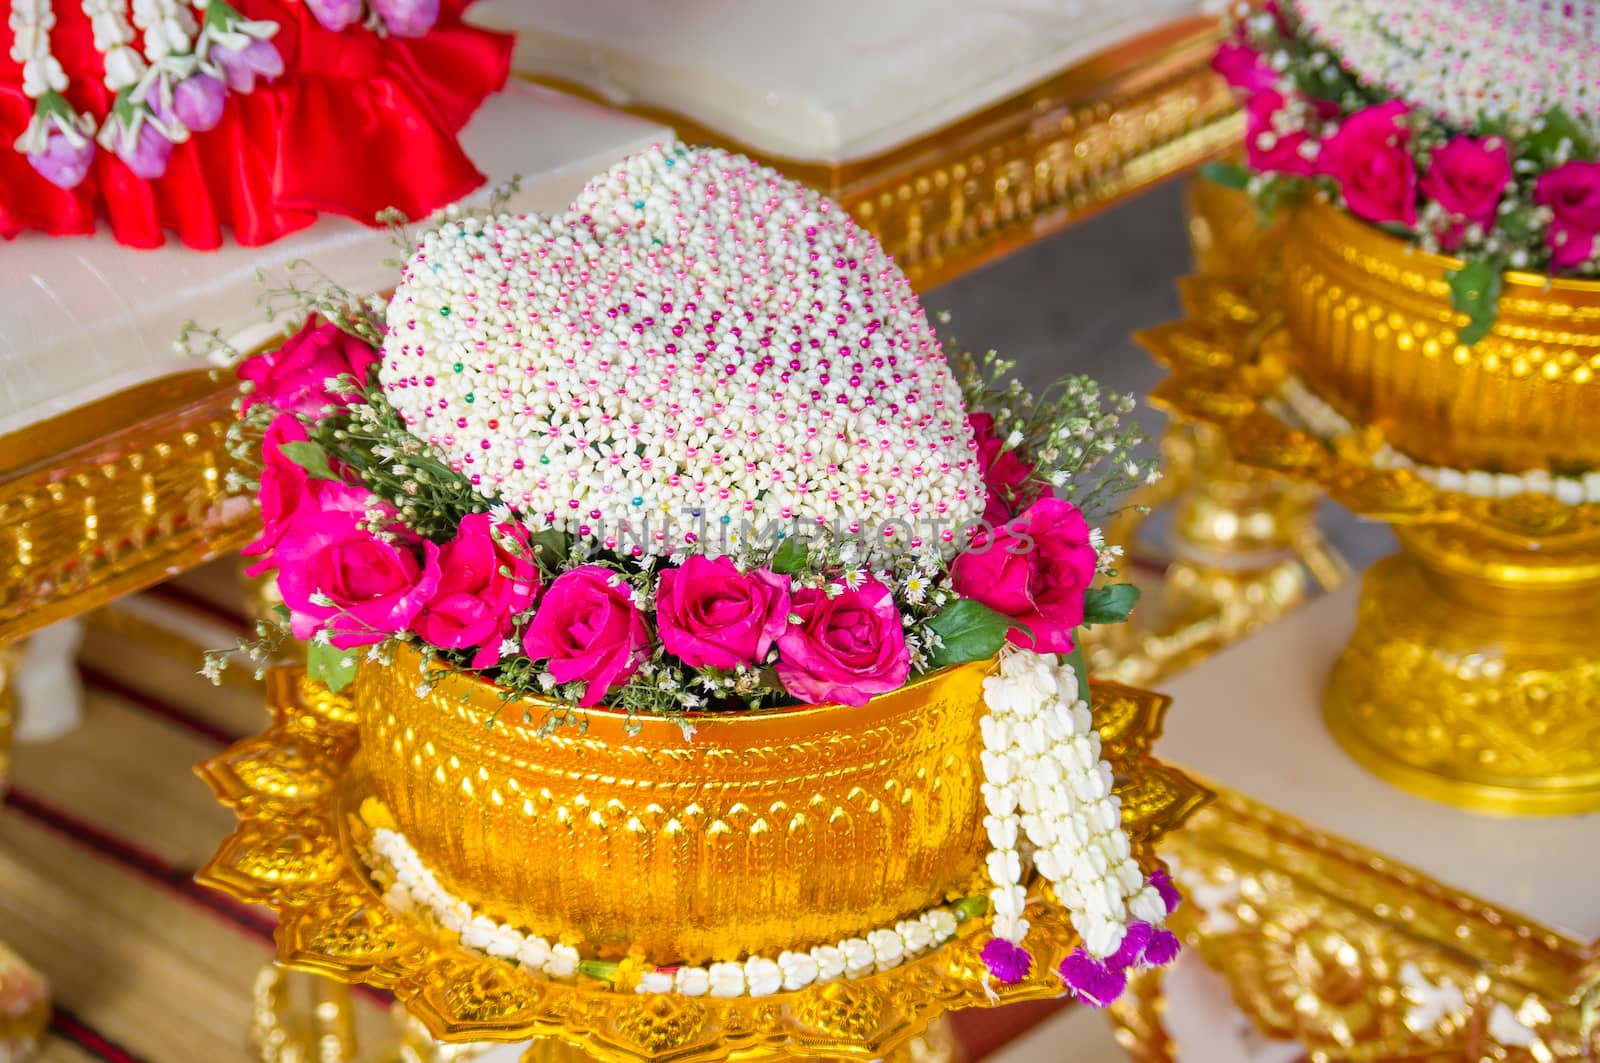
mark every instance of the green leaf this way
{"type": "Point", "coordinates": [791, 556]}
{"type": "Point", "coordinates": [1080, 665]}
{"type": "Point", "coordinates": [1227, 174]}
{"type": "Point", "coordinates": [1475, 291]}
{"type": "Point", "coordinates": [550, 550]}
{"type": "Point", "coordinates": [969, 631]}
{"type": "Point", "coordinates": [1109, 605]}
{"type": "Point", "coordinates": [1557, 126]}
{"type": "Point", "coordinates": [330, 665]}
{"type": "Point", "coordinates": [310, 457]}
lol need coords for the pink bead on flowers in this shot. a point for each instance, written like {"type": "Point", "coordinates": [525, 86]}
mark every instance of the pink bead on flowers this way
{"type": "Point", "coordinates": [483, 585]}
{"type": "Point", "coordinates": [589, 631]}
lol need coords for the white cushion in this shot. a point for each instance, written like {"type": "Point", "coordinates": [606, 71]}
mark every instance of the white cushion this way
{"type": "Point", "coordinates": [84, 317]}
{"type": "Point", "coordinates": [820, 80]}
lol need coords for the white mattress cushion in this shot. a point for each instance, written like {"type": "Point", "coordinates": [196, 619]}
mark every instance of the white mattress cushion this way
{"type": "Point", "coordinates": [84, 317]}
{"type": "Point", "coordinates": [824, 80]}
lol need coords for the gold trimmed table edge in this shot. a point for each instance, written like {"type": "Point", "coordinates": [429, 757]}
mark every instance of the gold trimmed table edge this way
{"type": "Point", "coordinates": [115, 496]}
{"type": "Point", "coordinates": [1022, 169]}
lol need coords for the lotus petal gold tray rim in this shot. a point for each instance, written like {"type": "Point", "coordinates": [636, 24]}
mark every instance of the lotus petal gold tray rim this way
{"type": "Point", "coordinates": [294, 791]}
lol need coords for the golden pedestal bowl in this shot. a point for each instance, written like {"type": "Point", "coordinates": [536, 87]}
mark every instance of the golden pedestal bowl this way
{"type": "Point", "coordinates": [632, 835]}
{"type": "Point", "coordinates": [300, 788]}
{"type": "Point", "coordinates": [1473, 675]}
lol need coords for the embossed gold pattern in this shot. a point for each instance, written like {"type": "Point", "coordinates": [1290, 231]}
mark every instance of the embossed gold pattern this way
{"type": "Point", "coordinates": [1030, 165]}
{"type": "Point", "coordinates": [1375, 335]}
{"type": "Point", "coordinates": [720, 835]}
{"type": "Point", "coordinates": [1475, 674]}
{"type": "Point", "coordinates": [332, 920]}
{"type": "Point", "coordinates": [115, 496]}
{"type": "Point", "coordinates": [1357, 957]}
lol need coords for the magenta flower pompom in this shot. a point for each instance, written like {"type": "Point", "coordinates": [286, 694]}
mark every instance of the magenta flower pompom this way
{"type": "Point", "coordinates": [1007, 961]}
{"type": "Point", "coordinates": [1162, 950]}
{"type": "Point", "coordinates": [1131, 952]}
{"type": "Point", "coordinates": [1162, 881]}
{"type": "Point", "coordinates": [62, 162]}
{"type": "Point", "coordinates": [1094, 981]}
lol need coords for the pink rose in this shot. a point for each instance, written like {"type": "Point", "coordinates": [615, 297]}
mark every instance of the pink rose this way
{"type": "Point", "coordinates": [1572, 192]}
{"type": "Point", "coordinates": [1467, 177]}
{"type": "Point", "coordinates": [1004, 472]}
{"type": "Point", "coordinates": [714, 616]}
{"type": "Point", "coordinates": [1369, 159]}
{"type": "Point", "coordinates": [589, 631]}
{"type": "Point", "coordinates": [483, 586]}
{"type": "Point", "coordinates": [1269, 151]}
{"type": "Point", "coordinates": [334, 576]}
{"type": "Point", "coordinates": [1243, 68]}
{"type": "Point", "coordinates": [845, 648]}
{"type": "Point", "coordinates": [1035, 570]}
{"type": "Point", "coordinates": [294, 378]}
{"type": "Point", "coordinates": [283, 488]}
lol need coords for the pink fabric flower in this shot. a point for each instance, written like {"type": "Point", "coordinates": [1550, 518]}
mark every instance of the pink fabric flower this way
{"type": "Point", "coordinates": [483, 586]}
{"type": "Point", "coordinates": [1467, 177]}
{"type": "Point", "coordinates": [589, 631]}
{"type": "Point", "coordinates": [714, 616]}
{"type": "Point", "coordinates": [335, 576]}
{"type": "Point", "coordinates": [294, 378]}
{"type": "Point", "coordinates": [1369, 158]}
{"type": "Point", "coordinates": [1005, 473]}
{"type": "Point", "coordinates": [1243, 68]}
{"type": "Point", "coordinates": [1266, 149]}
{"type": "Point", "coordinates": [845, 648]}
{"type": "Point", "coordinates": [1034, 569]}
{"type": "Point", "coordinates": [1572, 192]}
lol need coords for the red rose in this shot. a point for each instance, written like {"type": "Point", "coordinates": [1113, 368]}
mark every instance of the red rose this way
{"type": "Point", "coordinates": [1243, 68]}
{"type": "Point", "coordinates": [589, 631]}
{"type": "Point", "coordinates": [483, 586]}
{"type": "Point", "coordinates": [1467, 177]}
{"type": "Point", "coordinates": [846, 647]}
{"type": "Point", "coordinates": [1004, 472]}
{"type": "Point", "coordinates": [714, 616]}
{"type": "Point", "coordinates": [294, 378]}
{"type": "Point", "coordinates": [1035, 570]}
{"type": "Point", "coordinates": [1269, 149]}
{"type": "Point", "coordinates": [1572, 192]}
{"type": "Point", "coordinates": [1369, 158]}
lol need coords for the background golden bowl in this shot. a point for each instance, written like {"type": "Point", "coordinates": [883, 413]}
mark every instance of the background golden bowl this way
{"type": "Point", "coordinates": [764, 831]}
{"type": "Point", "coordinates": [1376, 337]}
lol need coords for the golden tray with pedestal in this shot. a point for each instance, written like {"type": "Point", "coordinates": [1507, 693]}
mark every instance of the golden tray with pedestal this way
{"type": "Point", "coordinates": [1474, 674]}
{"type": "Point", "coordinates": [298, 790]}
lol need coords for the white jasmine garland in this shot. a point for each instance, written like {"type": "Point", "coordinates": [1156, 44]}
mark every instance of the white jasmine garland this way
{"type": "Point", "coordinates": [415, 886]}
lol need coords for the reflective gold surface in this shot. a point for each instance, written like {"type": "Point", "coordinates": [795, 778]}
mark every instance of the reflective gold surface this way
{"type": "Point", "coordinates": [1357, 957]}
{"type": "Point", "coordinates": [296, 790]}
{"type": "Point", "coordinates": [114, 497]}
{"type": "Point", "coordinates": [1374, 334]}
{"type": "Point", "coordinates": [1030, 165]}
{"type": "Point", "coordinates": [1244, 544]}
{"type": "Point", "coordinates": [1475, 675]}
{"type": "Point", "coordinates": [627, 835]}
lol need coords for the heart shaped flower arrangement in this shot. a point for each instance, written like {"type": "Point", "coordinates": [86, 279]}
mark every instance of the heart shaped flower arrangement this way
{"type": "Point", "coordinates": [695, 447]}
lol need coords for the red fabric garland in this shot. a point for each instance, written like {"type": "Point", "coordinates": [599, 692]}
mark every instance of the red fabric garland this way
{"type": "Point", "coordinates": [358, 123]}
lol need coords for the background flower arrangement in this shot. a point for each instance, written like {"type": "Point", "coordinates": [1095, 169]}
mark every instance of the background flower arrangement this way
{"type": "Point", "coordinates": [1466, 128]}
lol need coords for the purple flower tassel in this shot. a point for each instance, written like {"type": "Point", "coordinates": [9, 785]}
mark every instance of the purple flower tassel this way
{"type": "Point", "coordinates": [1163, 948]}
{"type": "Point", "coordinates": [1007, 961]}
{"type": "Point", "coordinates": [1134, 943]}
{"type": "Point", "coordinates": [335, 15]}
{"type": "Point", "coordinates": [242, 66]}
{"type": "Point", "coordinates": [65, 160]}
{"type": "Point", "coordinates": [146, 153]}
{"type": "Point", "coordinates": [1095, 982]}
{"type": "Point", "coordinates": [1170, 896]}
{"type": "Point", "coordinates": [407, 18]}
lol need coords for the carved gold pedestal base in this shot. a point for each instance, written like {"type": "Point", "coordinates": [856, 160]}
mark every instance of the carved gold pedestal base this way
{"type": "Point", "coordinates": [1246, 551]}
{"type": "Point", "coordinates": [1481, 693]}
